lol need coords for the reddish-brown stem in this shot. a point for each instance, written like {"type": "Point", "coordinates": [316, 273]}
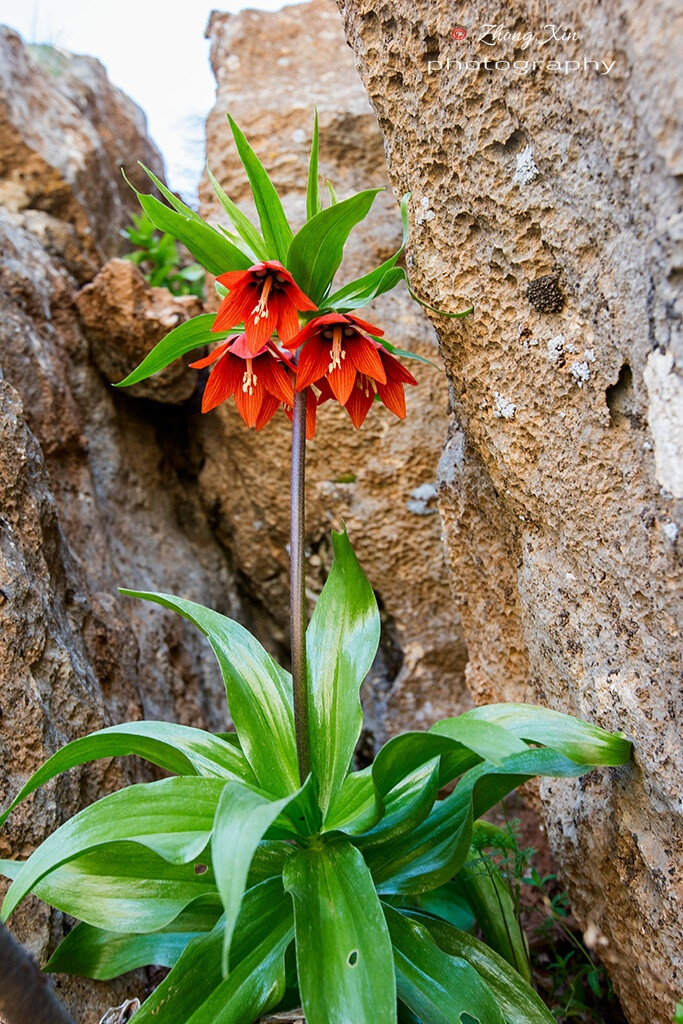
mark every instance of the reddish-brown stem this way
{"type": "Point", "coordinates": [297, 585]}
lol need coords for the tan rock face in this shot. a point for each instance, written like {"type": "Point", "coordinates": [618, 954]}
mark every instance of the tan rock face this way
{"type": "Point", "coordinates": [561, 470]}
{"type": "Point", "coordinates": [65, 133]}
{"type": "Point", "coordinates": [123, 319]}
{"type": "Point", "coordinates": [97, 491]}
{"type": "Point", "coordinates": [381, 480]}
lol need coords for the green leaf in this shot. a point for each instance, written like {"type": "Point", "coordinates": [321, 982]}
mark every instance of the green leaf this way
{"type": "Point", "coordinates": [446, 903]}
{"type": "Point", "coordinates": [405, 354]}
{"type": "Point", "coordinates": [407, 805]}
{"type": "Point", "coordinates": [380, 280]}
{"type": "Point", "coordinates": [241, 222]}
{"type": "Point", "coordinates": [317, 249]}
{"type": "Point", "coordinates": [334, 198]}
{"type": "Point", "coordinates": [436, 850]}
{"type": "Point", "coordinates": [364, 289]}
{"type": "Point", "coordinates": [259, 693]}
{"type": "Point", "coordinates": [516, 998]}
{"type": "Point", "coordinates": [354, 809]}
{"type": "Point", "coordinates": [176, 203]}
{"type": "Point", "coordinates": [405, 754]}
{"type": "Point", "coordinates": [195, 992]}
{"type": "Point", "coordinates": [274, 224]}
{"type": "Point", "coordinates": [123, 887]}
{"type": "Point", "coordinates": [101, 954]}
{"type": "Point", "coordinates": [208, 246]}
{"type": "Point", "coordinates": [341, 643]}
{"type": "Point", "coordinates": [580, 741]}
{"type": "Point", "coordinates": [173, 817]}
{"type": "Point", "coordinates": [460, 315]}
{"type": "Point", "coordinates": [342, 944]}
{"type": "Point", "coordinates": [242, 818]}
{"type": "Point", "coordinates": [489, 896]}
{"type": "Point", "coordinates": [192, 334]}
{"type": "Point", "coordinates": [313, 204]}
{"type": "Point", "coordinates": [438, 988]}
{"type": "Point", "coordinates": [177, 748]}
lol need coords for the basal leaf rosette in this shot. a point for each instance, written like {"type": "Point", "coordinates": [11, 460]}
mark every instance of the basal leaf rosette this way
{"type": "Point", "coordinates": [352, 894]}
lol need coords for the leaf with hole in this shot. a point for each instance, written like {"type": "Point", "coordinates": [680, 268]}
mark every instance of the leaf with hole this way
{"type": "Point", "coordinates": [342, 943]}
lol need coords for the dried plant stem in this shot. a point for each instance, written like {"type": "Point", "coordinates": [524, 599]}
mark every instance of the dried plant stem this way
{"type": "Point", "coordinates": [25, 995]}
{"type": "Point", "coordinates": [297, 584]}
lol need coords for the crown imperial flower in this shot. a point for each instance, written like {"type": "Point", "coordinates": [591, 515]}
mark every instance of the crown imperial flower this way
{"type": "Point", "coordinates": [336, 349]}
{"type": "Point", "coordinates": [390, 391]}
{"type": "Point", "coordinates": [259, 381]}
{"type": "Point", "coordinates": [265, 298]}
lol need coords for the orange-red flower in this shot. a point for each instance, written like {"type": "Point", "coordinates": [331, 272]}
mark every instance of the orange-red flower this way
{"type": "Point", "coordinates": [260, 382]}
{"type": "Point", "coordinates": [265, 298]}
{"type": "Point", "coordinates": [365, 387]}
{"type": "Point", "coordinates": [335, 349]}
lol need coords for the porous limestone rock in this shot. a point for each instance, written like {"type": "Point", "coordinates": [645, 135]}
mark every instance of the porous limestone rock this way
{"type": "Point", "coordinates": [124, 318]}
{"type": "Point", "coordinates": [561, 470]}
{"type": "Point", "coordinates": [97, 491]}
{"type": "Point", "coordinates": [65, 133]}
{"type": "Point", "coordinates": [380, 480]}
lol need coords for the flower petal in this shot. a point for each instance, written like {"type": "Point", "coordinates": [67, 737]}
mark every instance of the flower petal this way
{"type": "Point", "coordinates": [313, 327]}
{"type": "Point", "coordinates": [274, 378]}
{"type": "Point", "coordinates": [222, 383]}
{"type": "Point", "coordinates": [364, 325]}
{"type": "Point", "coordinates": [311, 413]}
{"type": "Point", "coordinates": [314, 360]}
{"type": "Point", "coordinates": [235, 307]}
{"type": "Point", "coordinates": [199, 364]}
{"type": "Point", "coordinates": [283, 355]}
{"type": "Point", "coordinates": [287, 319]}
{"type": "Point", "coordinates": [394, 398]}
{"type": "Point", "coordinates": [259, 329]}
{"type": "Point", "coordinates": [249, 403]}
{"type": "Point", "coordinates": [358, 405]}
{"type": "Point", "coordinates": [269, 407]}
{"type": "Point", "coordinates": [234, 278]}
{"type": "Point", "coordinates": [240, 348]}
{"type": "Point", "coordinates": [325, 391]}
{"type": "Point", "coordinates": [342, 379]}
{"type": "Point", "coordinates": [298, 298]}
{"type": "Point", "coordinates": [396, 370]}
{"type": "Point", "coordinates": [365, 357]}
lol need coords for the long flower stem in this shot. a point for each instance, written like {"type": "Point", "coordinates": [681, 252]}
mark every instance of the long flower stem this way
{"type": "Point", "coordinates": [297, 584]}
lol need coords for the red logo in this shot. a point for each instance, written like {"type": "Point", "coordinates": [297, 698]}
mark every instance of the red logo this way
{"type": "Point", "coordinates": [459, 32]}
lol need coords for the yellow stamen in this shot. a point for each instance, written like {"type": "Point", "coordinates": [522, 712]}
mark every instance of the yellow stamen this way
{"type": "Point", "coordinates": [337, 353]}
{"type": "Point", "coordinates": [249, 379]}
{"type": "Point", "coordinates": [366, 384]}
{"type": "Point", "coordinates": [260, 310]}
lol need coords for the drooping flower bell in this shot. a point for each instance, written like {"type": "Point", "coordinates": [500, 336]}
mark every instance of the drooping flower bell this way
{"type": "Point", "coordinates": [260, 382]}
{"type": "Point", "coordinates": [265, 298]}
{"type": "Point", "coordinates": [336, 349]}
{"type": "Point", "coordinates": [365, 387]}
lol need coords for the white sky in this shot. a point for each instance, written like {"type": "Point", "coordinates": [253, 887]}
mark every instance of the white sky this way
{"type": "Point", "coordinates": [155, 51]}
